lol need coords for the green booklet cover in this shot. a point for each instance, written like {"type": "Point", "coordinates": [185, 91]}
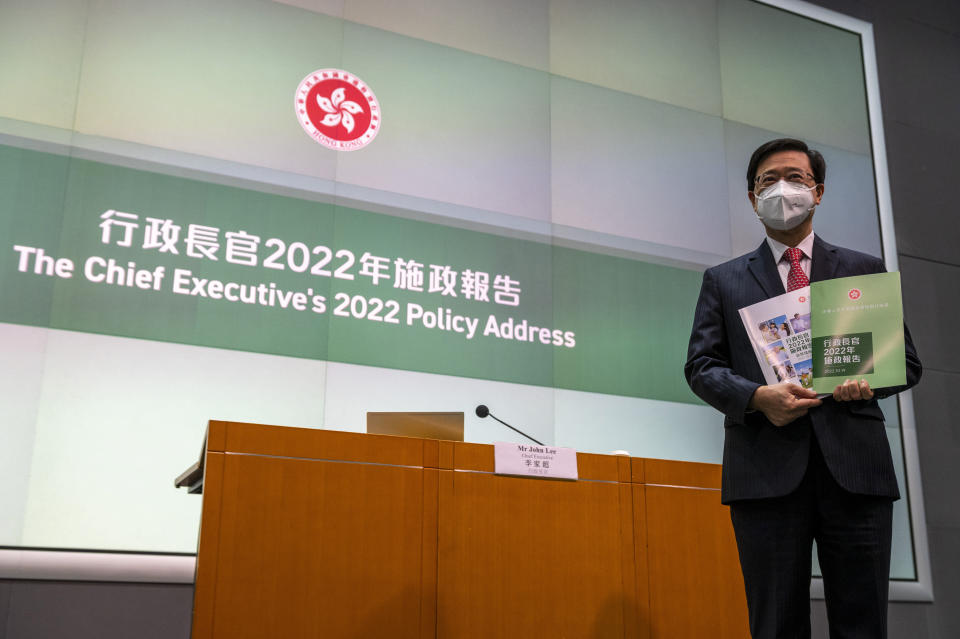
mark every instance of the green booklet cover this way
{"type": "Point", "coordinates": [856, 327]}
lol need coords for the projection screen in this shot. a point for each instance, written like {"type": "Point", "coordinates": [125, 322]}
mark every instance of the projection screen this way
{"type": "Point", "coordinates": [520, 216]}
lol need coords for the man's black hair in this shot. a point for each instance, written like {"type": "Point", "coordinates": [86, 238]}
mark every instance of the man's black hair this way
{"type": "Point", "coordinates": [817, 164]}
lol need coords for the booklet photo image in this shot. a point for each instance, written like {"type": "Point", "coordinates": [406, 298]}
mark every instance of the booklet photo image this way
{"type": "Point", "coordinates": [800, 323]}
{"type": "Point", "coordinates": [778, 358]}
{"type": "Point", "coordinates": [805, 373]}
{"type": "Point", "coordinates": [776, 328]}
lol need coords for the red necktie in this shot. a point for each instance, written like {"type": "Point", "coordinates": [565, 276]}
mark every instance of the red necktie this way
{"type": "Point", "coordinates": [796, 278]}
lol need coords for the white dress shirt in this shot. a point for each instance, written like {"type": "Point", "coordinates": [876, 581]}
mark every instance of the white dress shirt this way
{"type": "Point", "coordinates": [783, 265]}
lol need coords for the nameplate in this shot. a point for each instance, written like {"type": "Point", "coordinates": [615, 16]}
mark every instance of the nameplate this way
{"type": "Point", "coordinates": [530, 460]}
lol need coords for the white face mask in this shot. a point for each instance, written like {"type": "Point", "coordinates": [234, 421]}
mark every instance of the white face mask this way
{"type": "Point", "coordinates": [785, 205]}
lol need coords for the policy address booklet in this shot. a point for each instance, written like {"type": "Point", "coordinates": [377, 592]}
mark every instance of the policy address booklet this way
{"type": "Point", "coordinates": [823, 334]}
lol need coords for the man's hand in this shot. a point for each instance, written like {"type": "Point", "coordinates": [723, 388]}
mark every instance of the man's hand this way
{"type": "Point", "coordinates": [783, 403]}
{"type": "Point", "coordinates": [852, 390]}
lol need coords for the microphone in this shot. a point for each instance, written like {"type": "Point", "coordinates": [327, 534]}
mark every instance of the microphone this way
{"type": "Point", "coordinates": [483, 411]}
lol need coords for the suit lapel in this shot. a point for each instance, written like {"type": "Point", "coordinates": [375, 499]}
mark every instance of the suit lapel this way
{"type": "Point", "coordinates": [824, 260]}
{"type": "Point", "coordinates": [763, 268]}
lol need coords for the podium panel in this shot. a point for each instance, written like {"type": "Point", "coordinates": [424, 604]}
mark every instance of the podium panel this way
{"type": "Point", "coordinates": [527, 558]}
{"type": "Point", "coordinates": [691, 550]}
{"type": "Point", "coordinates": [285, 543]}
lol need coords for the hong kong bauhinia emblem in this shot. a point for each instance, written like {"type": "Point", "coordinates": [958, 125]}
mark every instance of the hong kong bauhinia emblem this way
{"type": "Point", "coordinates": [337, 109]}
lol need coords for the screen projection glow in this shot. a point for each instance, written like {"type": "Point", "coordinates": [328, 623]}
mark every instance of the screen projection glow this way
{"type": "Point", "coordinates": [527, 230]}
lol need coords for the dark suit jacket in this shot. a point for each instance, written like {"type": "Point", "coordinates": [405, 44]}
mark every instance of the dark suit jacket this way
{"type": "Point", "coordinates": [759, 459]}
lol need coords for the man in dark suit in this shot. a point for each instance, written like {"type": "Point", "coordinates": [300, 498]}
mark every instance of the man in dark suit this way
{"type": "Point", "coordinates": [796, 468]}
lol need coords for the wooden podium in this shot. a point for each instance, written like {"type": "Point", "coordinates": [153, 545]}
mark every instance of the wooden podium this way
{"type": "Point", "coordinates": [315, 533]}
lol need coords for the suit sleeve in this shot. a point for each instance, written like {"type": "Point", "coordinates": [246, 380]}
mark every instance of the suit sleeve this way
{"type": "Point", "coordinates": [708, 369]}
